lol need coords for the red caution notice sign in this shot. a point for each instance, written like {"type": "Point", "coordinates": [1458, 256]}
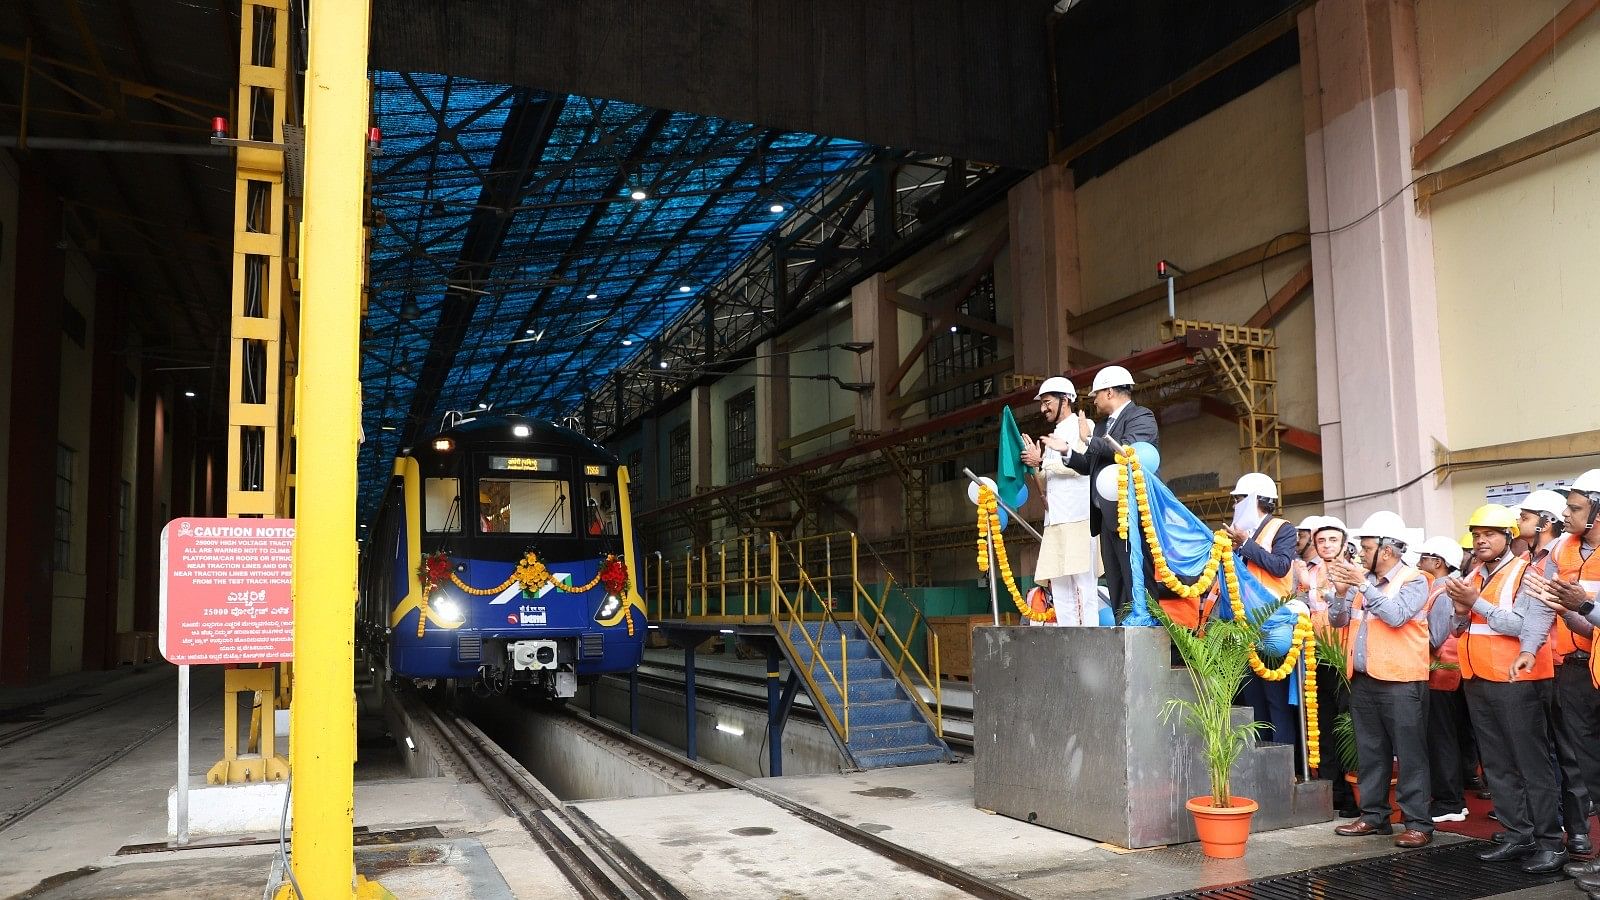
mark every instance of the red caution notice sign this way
{"type": "Point", "coordinates": [225, 592]}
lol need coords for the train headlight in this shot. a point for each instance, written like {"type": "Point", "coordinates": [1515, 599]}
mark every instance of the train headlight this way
{"type": "Point", "coordinates": [609, 607]}
{"type": "Point", "coordinates": [446, 608]}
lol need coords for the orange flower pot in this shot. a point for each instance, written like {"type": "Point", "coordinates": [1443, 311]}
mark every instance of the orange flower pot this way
{"type": "Point", "coordinates": [1355, 791]}
{"type": "Point", "coordinates": [1222, 831]}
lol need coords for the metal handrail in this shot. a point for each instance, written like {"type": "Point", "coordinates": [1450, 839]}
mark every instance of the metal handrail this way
{"type": "Point", "coordinates": [780, 600]}
{"type": "Point", "coordinates": [881, 619]}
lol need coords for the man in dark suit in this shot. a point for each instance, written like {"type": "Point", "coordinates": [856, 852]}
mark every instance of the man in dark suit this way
{"type": "Point", "coordinates": [1124, 422]}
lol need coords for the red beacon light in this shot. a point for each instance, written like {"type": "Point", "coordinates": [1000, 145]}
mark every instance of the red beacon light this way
{"type": "Point", "coordinates": [219, 127]}
{"type": "Point", "coordinates": [375, 140]}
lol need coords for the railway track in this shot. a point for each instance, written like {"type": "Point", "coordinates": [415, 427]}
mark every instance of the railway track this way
{"type": "Point", "coordinates": [903, 856]}
{"type": "Point", "coordinates": [12, 817]}
{"type": "Point", "coordinates": [596, 864]}
{"type": "Point", "coordinates": [30, 729]}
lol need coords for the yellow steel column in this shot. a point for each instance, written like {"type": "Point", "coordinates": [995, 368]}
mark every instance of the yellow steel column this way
{"type": "Point", "coordinates": [322, 750]}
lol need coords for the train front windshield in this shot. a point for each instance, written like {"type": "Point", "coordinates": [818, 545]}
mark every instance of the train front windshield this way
{"type": "Point", "coordinates": [524, 506]}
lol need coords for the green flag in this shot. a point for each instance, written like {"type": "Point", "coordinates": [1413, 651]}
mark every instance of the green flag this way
{"type": "Point", "coordinates": [1009, 473]}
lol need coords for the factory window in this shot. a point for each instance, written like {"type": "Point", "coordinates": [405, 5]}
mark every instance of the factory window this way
{"type": "Point", "coordinates": [741, 413]}
{"type": "Point", "coordinates": [635, 472]}
{"type": "Point", "coordinates": [678, 464]}
{"type": "Point", "coordinates": [62, 559]}
{"type": "Point", "coordinates": [954, 356]}
{"type": "Point", "coordinates": [124, 532]}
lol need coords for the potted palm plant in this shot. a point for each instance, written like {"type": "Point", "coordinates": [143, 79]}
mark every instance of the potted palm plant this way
{"type": "Point", "coordinates": [1217, 658]}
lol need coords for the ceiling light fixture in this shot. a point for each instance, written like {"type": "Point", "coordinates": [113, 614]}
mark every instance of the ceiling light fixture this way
{"type": "Point", "coordinates": [627, 342]}
{"type": "Point", "coordinates": [594, 297]}
{"type": "Point", "coordinates": [663, 364]}
{"type": "Point", "coordinates": [639, 194]}
{"type": "Point", "coordinates": [188, 393]}
{"type": "Point", "coordinates": [776, 207]}
{"type": "Point", "coordinates": [528, 331]}
{"type": "Point", "coordinates": [684, 289]}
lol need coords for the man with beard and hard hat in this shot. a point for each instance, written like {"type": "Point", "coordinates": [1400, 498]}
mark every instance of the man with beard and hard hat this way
{"type": "Point", "coordinates": [1507, 674]}
{"type": "Point", "coordinates": [1539, 522]}
{"type": "Point", "coordinates": [1389, 632]}
{"type": "Point", "coordinates": [1124, 423]}
{"type": "Point", "coordinates": [1568, 583]}
{"type": "Point", "coordinates": [1439, 558]}
{"type": "Point", "coordinates": [1066, 556]}
{"type": "Point", "coordinates": [1314, 587]}
{"type": "Point", "coordinates": [1266, 543]}
{"type": "Point", "coordinates": [1303, 549]}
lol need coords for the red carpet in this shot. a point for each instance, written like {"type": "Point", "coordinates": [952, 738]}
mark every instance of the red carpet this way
{"type": "Point", "coordinates": [1479, 825]}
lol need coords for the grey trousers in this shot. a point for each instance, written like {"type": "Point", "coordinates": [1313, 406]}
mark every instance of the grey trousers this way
{"type": "Point", "coordinates": [1575, 724]}
{"type": "Point", "coordinates": [1391, 721]}
{"type": "Point", "coordinates": [1508, 718]}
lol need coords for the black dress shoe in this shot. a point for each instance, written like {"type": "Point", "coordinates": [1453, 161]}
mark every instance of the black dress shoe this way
{"type": "Point", "coordinates": [1505, 852]}
{"type": "Point", "coordinates": [1590, 884]}
{"type": "Point", "coordinates": [1580, 845]}
{"type": "Point", "coordinates": [1543, 862]}
{"type": "Point", "coordinates": [1589, 869]}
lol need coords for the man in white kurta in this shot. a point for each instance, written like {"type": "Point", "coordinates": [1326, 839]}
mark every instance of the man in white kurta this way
{"type": "Point", "coordinates": [1067, 554]}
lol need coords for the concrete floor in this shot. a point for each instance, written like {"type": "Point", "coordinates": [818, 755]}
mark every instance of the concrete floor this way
{"type": "Point", "coordinates": [704, 845]}
{"type": "Point", "coordinates": [710, 843]}
{"type": "Point", "coordinates": [484, 853]}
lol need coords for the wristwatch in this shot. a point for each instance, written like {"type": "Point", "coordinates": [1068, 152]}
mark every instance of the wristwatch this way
{"type": "Point", "coordinates": [1586, 608]}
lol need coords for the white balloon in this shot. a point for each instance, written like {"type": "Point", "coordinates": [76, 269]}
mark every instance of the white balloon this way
{"type": "Point", "coordinates": [972, 489]}
{"type": "Point", "coordinates": [1105, 483]}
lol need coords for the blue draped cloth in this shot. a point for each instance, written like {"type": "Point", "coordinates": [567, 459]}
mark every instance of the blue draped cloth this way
{"type": "Point", "coordinates": [1186, 544]}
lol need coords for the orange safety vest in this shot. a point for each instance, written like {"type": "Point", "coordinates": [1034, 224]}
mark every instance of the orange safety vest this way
{"type": "Point", "coordinates": [1279, 586]}
{"type": "Point", "coordinates": [1570, 566]}
{"type": "Point", "coordinates": [1393, 654]}
{"type": "Point", "coordinates": [1444, 679]}
{"type": "Point", "coordinates": [1487, 654]}
{"type": "Point", "coordinates": [1190, 613]}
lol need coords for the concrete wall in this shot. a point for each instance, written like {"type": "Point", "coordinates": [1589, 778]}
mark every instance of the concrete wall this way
{"type": "Point", "coordinates": [1511, 250]}
{"type": "Point", "coordinates": [574, 764]}
{"type": "Point", "coordinates": [808, 749]}
{"type": "Point", "coordinates": [1229, 181]}
{"type": "Point", "coordinates": [812, 403]}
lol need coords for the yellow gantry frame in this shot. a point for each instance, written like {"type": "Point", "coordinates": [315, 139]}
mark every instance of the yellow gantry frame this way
{"type": "Point", "coordinates": [260, 220]}
{"type": "Point", "coordinates": [322, 734]}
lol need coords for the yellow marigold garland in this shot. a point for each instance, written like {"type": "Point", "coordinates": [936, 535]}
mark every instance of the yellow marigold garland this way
{"type": "Point", "coordinates": [532, 575]}
{"type": "Point", "coordinates": [989, 524]}
{"type": "Point", "coordinates": [1304, 641]}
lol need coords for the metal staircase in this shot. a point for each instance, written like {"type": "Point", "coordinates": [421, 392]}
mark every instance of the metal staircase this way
{"type": "Point", "coordinates": [883, 723]}
{"type": "Point", "coordinates": [842, 643]}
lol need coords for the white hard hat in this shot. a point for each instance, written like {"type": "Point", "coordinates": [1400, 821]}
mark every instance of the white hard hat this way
{"type": "Point", "coordinates": [1384, 525]}
{"type": "Point", "coordinates": [1256, 483]}
{"type": "Point", "coordinates": [1545, 502]}
{"type": "Point", "coordinates": [1446, 549]}
{"type": "Point", "coordinates": [1331, 523]}
{"type": "Point", "coordinates": [1588, 482]}
{"type": "Point", "coordinates": [1112, 376]}
{"type": "Point", "coordinates": [1309, 523]}
{"type": "Point", "coordinates": [1055, 384]}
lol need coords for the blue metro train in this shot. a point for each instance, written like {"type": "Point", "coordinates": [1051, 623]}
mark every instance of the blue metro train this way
{"type": "Point", "coordinates": [503, 558]}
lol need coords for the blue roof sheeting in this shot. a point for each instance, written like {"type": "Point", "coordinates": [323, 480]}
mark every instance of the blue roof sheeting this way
{"type": "Point", "coordinates": [581, 265]}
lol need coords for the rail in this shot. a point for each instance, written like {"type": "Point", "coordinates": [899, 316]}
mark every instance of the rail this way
{"type": "Point", "coordinates": [882, 622]}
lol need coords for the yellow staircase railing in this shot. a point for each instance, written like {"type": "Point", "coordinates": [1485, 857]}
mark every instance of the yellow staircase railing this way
{"type": "Point", "coordinates": [737, 581]}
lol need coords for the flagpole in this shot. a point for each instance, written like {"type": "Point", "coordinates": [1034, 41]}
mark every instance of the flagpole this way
{"type": "Point", "coordinates": [1015, 516]}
